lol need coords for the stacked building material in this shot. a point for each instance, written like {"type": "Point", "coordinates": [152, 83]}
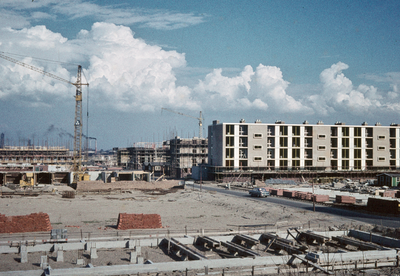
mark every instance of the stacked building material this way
{"type": "Point", "coordinates": [345, 199]}
{"type": "Point", "coordinates": [381, 205]}
{"type": "Point", "coordinates": [303, 195]}
{"type": "Point", "coordinates": [320, 198]}
{"type": "Point", "coordinates": [288, 193]}
{"type": "Point", "coordinates": [277, 192]}
{"type": "Point", "coordinates": [389, 193]}
{"type": "Point", "coordinates": [35, 222]}
{"type": "Point", "coordinates": [138, 221]}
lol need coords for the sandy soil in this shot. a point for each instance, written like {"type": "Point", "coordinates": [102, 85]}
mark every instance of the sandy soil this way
{"type": "Point", "coordinates": [189, 210]}
{"type": "Point", "coordinates": [180, 209]}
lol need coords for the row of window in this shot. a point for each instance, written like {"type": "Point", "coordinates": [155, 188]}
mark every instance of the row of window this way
{"type": "Point", "coordinates": [284, 141]}
{"type": "Point", "coordinates": [308, 153]}
{"type": "Point", "coordinates": [308, 130]}
{"type": "Point", "coordinates": [320, 159]}
{"type": "Point", "coordinates": [321, 147]}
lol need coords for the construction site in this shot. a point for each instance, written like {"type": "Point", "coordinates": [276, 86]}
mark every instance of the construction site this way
{"type": "Point", "coordinates": [169, 228]}
{"type": "Point", "coordinates": [62, 215]}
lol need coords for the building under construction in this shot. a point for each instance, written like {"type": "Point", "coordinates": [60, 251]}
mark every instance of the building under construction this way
{"type": "Point", "coordinates": [35, 155]}
{"type": "Point", "coordinates": [145, 156]}
{"type": "Point", "coordinates": [174, 157]}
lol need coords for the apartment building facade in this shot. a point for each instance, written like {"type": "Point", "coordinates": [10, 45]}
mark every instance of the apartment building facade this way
{"type": "Point", "coordinates": [280, 146]}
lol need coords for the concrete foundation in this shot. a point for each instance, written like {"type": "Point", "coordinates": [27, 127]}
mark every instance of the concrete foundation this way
{"type": "Point", "coordinates": [60, 256]}
{"type": "Point", "coordinates": [24, 254]}
{"type": "Point", "coordinates": [93, 253]}
{"type": "Point", "coordinates": [43, 262]}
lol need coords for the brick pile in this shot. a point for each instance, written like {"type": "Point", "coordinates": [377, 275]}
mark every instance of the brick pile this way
{"type": "Point", "coordinates": [389, 193]}
{"type": "Point", "coordinates": [277, 192]}
{"type": "Point", "coordinates": [138, 221]}
{"type": "Point", "coordinates": [320, 198]}
{"type": "Point", "coordinates": [36, 222]}
{"type": "Point", "coordinates": [345, 199]}
{"type": "Point", "coordinates": [288, 193]}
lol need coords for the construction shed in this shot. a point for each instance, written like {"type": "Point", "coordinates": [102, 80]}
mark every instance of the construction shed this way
{"type": "Point", "coordinates": [389, 179]}
{"type": "Point", "coordinates": [389, 206]}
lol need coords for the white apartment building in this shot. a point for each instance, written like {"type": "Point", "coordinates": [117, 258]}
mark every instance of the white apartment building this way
{"type": "Point", "coordinates": [281, 146]}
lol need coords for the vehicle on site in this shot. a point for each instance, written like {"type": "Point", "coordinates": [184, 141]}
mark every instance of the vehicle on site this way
{"type": "Point", "coordinates": [259, 192]}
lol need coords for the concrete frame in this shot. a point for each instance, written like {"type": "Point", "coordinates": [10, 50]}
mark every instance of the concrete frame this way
{"type": "Point", "coordinates": [360, 259]}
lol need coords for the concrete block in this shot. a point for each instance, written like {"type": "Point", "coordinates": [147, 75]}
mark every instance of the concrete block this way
{"type": "Point", "coordinates": [140, 260]}
{"type": "Point", "coordinates": [60, 256]}
{"type": "Point", "coordinates": [131, 244]}
{"type": "Point", "coordinates": [133, 257]}
{"type": "Point", "coordinates": [375, 238]}
{"type": "Point", "coordinates": [5, 249]}
{"type": "Point", "coordinates": [43, 262]}
{"type": "Point", "coordinates": [24, 254]}
{"type": "Point", "coordinates": [57, 247]}
{"type": "Point", "coordinates": [80, 262]}
{"type": "Point", "coordinates": [93, 253]}
{"type": "Point", "coordinates": [138, 250]}
{"type": "Point", "coordinates": [89, 245]}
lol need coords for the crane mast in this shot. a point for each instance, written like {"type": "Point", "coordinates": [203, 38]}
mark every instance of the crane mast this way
{"type": "Point", "coordinates": [200, 119]}
{"type": "Point", "coordinates": [77, 155]}
{"type": "Point", "coordinates": [78, 123]}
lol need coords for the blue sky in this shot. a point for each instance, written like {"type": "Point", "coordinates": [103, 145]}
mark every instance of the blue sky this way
{"type": "Point", "coordinates": [268, 60]}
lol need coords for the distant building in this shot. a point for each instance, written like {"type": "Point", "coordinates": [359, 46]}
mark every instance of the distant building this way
{"type": "Point", "coordinates": [2, 141]}
{"type": "Point", "coordinates": [12, 155]}
{"type": "Point", "coordinates": [185, 154]}
{"type": "Point", "coordinates": [293, 147]}
{"type": "Point", "coordinates": [174, 157]}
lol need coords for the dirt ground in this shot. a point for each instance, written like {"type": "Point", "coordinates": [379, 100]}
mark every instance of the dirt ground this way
{"type": "Point", "coordinates": [180, 209]}
{"type": "Point", "coordinates": [95, 208]}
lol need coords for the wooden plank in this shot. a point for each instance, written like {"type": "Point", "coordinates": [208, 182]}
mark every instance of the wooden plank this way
{"type": "Point", "coordinates": [313, 264]}
{"type": "Point", "coordinates": [233, 247]}
{"type": "Point", "coordinates": [360, 244]}
{"type": "Point", "coordinates": [269, 236]}
{"type": "Point", "coordinates": [311, 237]}
{"type": "Point", "coordinates": [204, 240]}
{"type": "Point", "coordinates": [184, 250]}
{"type": "Point", "coordinates": [248, 241]}
{"type": "Point", "coordinates": [269, 244]}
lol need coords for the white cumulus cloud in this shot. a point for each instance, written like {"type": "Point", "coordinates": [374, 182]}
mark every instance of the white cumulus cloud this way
{"type": "Point", "coordinates": [261, 89]}
{"type": "Point", "coordinates": [339, 94]}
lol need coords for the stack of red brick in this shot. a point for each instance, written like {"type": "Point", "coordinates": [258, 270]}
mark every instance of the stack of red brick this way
{"type": "Point", "coordinates": [389, 193]}
{"type": "Point", "coordinates": [345, 199]}
{"type": "Point", "coordinates": [277, 192]}
{"type": "Point", "coordinates": [303, 195]}
{"type": "Point", "coordinates": [36, 222]}
{"type": "Point", "coordinates": [138, 221]}
{"type": "Point", "coordinates": [289, 193]}
{"type": "Point", "coordinates": [320, 198]}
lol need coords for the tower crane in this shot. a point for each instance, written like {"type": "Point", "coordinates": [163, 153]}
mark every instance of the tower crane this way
{"type": "Point", "coordinates": [200, 118]}
{"type": "Point", "coordinates": [77, 156]}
